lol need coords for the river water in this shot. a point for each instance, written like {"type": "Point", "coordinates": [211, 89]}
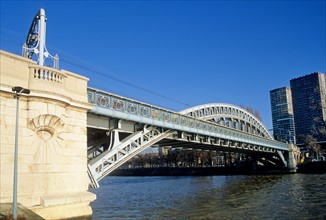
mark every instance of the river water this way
{"type": "Point", "coordinates": [291, 196]}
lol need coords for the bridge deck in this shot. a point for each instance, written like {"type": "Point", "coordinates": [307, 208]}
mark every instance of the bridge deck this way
{"type": "Point", "coordinates": [114, 106]}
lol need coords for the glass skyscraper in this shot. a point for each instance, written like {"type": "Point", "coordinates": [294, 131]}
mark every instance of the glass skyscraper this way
{"type": "Point", "coordinates": [309, 106]}
{"type": "Point", "coordinates": [282, 114]}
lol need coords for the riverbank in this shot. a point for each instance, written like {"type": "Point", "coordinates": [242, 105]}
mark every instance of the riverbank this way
{"type": "Point", "coordinates": [312, 167]}
{"type": "Point", "coordinates": [191, 171]}
{"type": "Point", "coordinates": [23, 212]}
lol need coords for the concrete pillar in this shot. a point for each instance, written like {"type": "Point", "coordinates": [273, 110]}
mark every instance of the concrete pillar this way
{"type": "Point", "coordinates": [293, 157]}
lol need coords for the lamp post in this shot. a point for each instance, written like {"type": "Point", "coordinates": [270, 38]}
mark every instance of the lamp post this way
{"type": "Point", "coordinates": [18, 91]}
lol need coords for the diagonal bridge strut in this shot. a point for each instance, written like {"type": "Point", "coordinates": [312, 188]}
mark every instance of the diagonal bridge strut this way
{"type": "Point", "coordinates": [116, 155]}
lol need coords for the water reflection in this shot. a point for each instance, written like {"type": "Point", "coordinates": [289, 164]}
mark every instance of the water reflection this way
{"type": "Point", "coordinates": [294, 196]}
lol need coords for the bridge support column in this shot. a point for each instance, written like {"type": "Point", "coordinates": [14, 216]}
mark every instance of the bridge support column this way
{"type": "Point", "coordinates": [52, 148]}
{"type": "Point", "coordinates": [294, 155]}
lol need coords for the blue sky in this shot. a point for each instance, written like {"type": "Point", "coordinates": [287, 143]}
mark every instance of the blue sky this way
{"type": "Point", "coordinates": [177, 54]}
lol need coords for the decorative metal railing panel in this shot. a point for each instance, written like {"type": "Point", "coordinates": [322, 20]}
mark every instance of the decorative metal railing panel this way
{"type": "Point", "coordinates": [120, 107]}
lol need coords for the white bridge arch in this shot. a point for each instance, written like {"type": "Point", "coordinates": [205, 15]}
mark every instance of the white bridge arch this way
{"type": "Point", "coordinates": [230, 116]}
{"type": "Point", "coordinates": [119, 128]}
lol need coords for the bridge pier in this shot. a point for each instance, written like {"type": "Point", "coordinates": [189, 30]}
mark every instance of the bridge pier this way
{"type": "Point", "coordinates": [293, 158]}
{"type": "Point", "coordinates": [52, 148]}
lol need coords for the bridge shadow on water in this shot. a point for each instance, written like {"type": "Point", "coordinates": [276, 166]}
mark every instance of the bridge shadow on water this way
{"type": "Point", "coordinates": [197, 171]}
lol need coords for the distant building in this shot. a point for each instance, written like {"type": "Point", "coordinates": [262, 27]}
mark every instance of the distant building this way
{"type": "Point", "coordinates": [282, 114]}
{"type": "Point", "coordinates": [163, 151]}
{"type": "Point", "coordinates": [309, 106]}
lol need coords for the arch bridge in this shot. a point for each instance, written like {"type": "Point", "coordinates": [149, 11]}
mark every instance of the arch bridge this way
{"type": "Point", "coordinates": [52, 131]}
{"type": "Point", "coordinates": [119, 128]}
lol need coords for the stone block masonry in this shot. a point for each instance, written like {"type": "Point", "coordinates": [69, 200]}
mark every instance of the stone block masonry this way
{"type": "Point", "coordinates": [52, 155]}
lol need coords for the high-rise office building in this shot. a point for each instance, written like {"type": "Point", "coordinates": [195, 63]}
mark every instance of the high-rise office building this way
{"type": "Point", "coordinates": [282, 114]}
{"type": "Point", "coordinates": [309, 106]}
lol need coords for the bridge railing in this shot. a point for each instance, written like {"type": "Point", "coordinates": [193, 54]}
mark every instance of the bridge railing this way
{"type": "Point", "coordinates": [47, 79]}
{"type": "Point", "coordinates": [124, 108]}
{"type": "Point", "coordinates": [48, 74]}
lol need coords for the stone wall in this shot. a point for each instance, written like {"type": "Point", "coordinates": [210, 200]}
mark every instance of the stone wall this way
{"type": "Point", "coordinates": [52, 155]}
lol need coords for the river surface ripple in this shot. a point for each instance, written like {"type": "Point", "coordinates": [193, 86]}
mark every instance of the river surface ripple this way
{"type": "Point", "coordinates": [291, 196]}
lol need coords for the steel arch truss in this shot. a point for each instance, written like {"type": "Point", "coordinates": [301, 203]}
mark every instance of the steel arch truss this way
{"type": "Point", "coordinates": [230, 116]}
{"type": "Point", "coordinates": [119, 152]}
{"type": "Point", "coordinates": [199, 126]}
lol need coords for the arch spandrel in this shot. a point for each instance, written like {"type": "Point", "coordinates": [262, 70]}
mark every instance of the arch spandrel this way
{"type": "Point", "coordinates": [212, 111]}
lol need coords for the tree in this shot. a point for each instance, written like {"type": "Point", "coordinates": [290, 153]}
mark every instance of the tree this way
{"type": "Point", "coordinates": [140, 161]}
{"type": "Point", "coordinates": [311, 143]}
{"type": "Point", "coordinates": [253, 111]}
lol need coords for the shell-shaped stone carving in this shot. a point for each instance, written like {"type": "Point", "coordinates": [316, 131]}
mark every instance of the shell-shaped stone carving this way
{"type": "Point", "coordinates": [46, 126]}
{"type": "Point", "coordinates": [47, 139]}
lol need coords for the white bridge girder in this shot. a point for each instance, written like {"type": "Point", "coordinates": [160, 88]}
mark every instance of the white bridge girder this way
{"type": "Point", "coordinates": [113, 106]}
{"type": "Point", "coordinates": [193, 125]}
{"type": "Point", "coordinates": [119, 152]}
